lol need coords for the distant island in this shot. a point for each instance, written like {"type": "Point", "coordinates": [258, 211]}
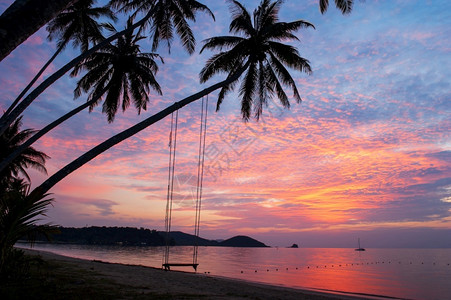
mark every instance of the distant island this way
{"type": "Point", "coordinates": [130, 236]}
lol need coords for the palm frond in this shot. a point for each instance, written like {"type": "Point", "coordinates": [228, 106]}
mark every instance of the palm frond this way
{"type": "Point", "coordinates": [274, 84]}
{"type": "Point", "coordinates": [285, 76]}
{"type": "Point", "coordinates": [241, 20]}
{"type": "Point", "coordinates": [290, 56]}
{"type": "Point", "coordinates": [247, 90]}
{"type": "Point", "coordinates": [184, 30]}
{"type": "Point", "coordinates": [221, 42]}
{"type": "Point", "coordinates": [344, 5]}
{"type": "Point", "coordinates": [283, 30]}
{"type": "Point", "coordinates": [221, 62]}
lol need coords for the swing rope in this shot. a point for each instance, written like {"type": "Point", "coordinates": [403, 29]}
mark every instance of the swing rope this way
{"type": "Point", "coordinates": [200, 174]}
{"type": "Point", "coordinates": [170, 192]}
{"type": "Point", "coordinates": [171, 176]}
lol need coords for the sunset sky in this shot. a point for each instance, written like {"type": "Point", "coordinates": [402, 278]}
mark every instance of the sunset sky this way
{"type": "Point", "coordinates": [366, 154]}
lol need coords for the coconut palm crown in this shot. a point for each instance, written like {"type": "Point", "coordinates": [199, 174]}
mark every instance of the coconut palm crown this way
{"type": "Point", "coordinates": [78, 23]}
{"type": "Point", "coordinates": [167, 16]}
{"type": "Point", "coordinates": [258, 53]}
{"type": "Point", "coordinates": [121, 71]}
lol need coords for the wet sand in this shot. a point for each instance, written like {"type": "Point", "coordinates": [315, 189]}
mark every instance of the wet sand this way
{"type": "Point", "coordinates": [157, 283]}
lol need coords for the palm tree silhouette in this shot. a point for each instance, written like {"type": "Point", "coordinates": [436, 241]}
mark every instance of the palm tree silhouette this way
{"type": "Point", "coordinates": [265, 14]}
{"type": "Point", "coordinates": [78, 24]}
{"type": "Point", "coordinates": [10, 140]}
{"type": "Point", "coordinates": [119, 70]}
{"type": "Point", "coordinates": [259, 48]}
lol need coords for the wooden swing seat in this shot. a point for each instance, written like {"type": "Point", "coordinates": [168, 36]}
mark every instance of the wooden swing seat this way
{"type": "Point", "coordinates": [167, 267]}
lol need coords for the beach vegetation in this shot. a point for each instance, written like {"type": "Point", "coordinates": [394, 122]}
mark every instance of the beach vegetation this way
{"type": "Point", "coordinates": [19, 214]}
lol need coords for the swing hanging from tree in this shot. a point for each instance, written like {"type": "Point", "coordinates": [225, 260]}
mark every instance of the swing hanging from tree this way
{"type": "Point", "coordinates": [170, 193]}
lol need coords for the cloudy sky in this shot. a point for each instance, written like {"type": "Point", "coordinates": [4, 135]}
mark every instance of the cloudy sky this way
{"type": "Point", "coordinates": [366, 154]}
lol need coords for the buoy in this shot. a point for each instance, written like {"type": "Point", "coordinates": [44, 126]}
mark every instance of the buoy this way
{"type": "Point", "coordinates": [241, 272]}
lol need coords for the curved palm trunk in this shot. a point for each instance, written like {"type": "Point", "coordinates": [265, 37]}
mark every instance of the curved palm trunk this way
{"type": "Point", "coordinates": [23, 18]}
{"type": "Point", "coordinates": [94, 152]}
{"type": "Point", "coordinates": [11, 107]}
{"type": "Point", "coordinates": [5, 162]}
{"type": "Point", "coordinates": [15, 113]}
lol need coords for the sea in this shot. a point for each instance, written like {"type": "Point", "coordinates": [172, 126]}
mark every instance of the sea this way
{"type": "Point", "coordinates": [419, 274]}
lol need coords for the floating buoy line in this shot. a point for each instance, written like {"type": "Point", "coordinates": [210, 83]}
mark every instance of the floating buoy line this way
{"type": "Point", "coordinates": [342, 265]}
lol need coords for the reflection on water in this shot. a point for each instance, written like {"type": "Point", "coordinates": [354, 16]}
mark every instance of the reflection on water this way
{"type": "Point", "coordinates": [403, 273]}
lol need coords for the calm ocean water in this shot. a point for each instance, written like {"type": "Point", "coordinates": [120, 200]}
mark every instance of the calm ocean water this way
{"type": "Point", "coordinates": [401, 273]}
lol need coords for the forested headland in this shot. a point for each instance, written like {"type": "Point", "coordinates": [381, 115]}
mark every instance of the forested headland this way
{"type": "Point", "coordinates": [131, 236]}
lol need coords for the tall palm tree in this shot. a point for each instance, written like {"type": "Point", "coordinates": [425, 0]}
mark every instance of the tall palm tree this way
{"type": "Point", "coordinates": [344, 5]}
{"type": "Point", "coordinates": [10, 140]}
{"type": "Point", "coordinates": [265, 14]}
{"type": "Point", "coordinates": [187, 5]}
{"type": "Point", "coordinates": [167, 15]}
{"type": "Point", "coordinates": [78, 24]}
{"type": "Point", "coordinates": [119, 71]}
{"type": "Point", "coordinates": [260, 48]}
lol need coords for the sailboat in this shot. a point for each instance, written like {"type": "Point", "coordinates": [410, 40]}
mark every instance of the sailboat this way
{"type": "Point", "coordinates": [360, 248]}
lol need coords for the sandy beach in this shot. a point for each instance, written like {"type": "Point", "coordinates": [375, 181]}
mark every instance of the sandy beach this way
{"type": "Point", "coordinates": [150, 283]}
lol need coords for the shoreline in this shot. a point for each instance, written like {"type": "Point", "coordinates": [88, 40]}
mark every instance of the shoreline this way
{"type": "Point", "coordinates": [151, 283]}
